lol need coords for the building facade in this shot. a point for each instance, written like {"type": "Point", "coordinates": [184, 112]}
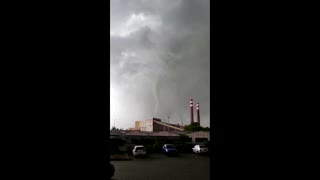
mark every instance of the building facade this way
{"type": "Point", "coordinates": [155, 125]}
{"type": "Point", "coordinates": [194, 136]}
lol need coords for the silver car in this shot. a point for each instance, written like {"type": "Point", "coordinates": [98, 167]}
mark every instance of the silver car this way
{"type": "Point", "coordinates": [200, 149]}
{"type": "Point", "coordinates": [139, 150]}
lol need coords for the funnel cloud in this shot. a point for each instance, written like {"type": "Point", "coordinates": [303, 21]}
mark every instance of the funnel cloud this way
{"type": "Point", "coordinates": [159, 59]}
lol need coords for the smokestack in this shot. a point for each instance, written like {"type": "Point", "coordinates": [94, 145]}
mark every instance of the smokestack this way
{"type": "Point", "coordinates": [191, 111]}
{"type": "Point", "coordinates": [198, 113]}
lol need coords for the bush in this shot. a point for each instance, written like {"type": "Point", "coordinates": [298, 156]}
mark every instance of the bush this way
{"type": "Point", "coordinates": [184, 148]}
{"type": "Point", "coordinates": [207, 143]}
{"type": "Point", "coordinates": [157, 146]}
{"type": "Point", "coordinates": [149, 148]}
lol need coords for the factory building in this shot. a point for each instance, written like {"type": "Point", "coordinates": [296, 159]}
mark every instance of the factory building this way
{"type": "Point", "coordinates": [195, 137]}
{"type": "Point", "coordinates": [155, 125]}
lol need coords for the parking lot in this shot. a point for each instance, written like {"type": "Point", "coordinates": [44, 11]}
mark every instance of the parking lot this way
{"type": "Point", "coordinates": [159, 166]}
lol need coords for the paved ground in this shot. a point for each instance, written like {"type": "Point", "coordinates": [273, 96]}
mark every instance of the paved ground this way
{"type": "Point", "coordinates": [161, 167]}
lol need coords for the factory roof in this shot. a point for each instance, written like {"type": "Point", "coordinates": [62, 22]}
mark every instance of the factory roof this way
{"type": "Point", "coordinates": [147, 133]}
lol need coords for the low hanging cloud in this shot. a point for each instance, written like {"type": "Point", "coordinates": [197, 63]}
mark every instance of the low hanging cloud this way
{"type": "Point", "coordinates": [134, 23]}
{"type": "Point", "coordinates": [160, 58]}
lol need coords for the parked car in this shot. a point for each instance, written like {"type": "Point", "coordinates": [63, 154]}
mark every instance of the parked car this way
{"type": "Point", "coordinates": [169, 149]}
{"type": "Point", "coordinates": [139, 150]}
{"type": "Point", "coordinates": [112, 170]}
{"type": "Point", "coordinates": [200, 149]}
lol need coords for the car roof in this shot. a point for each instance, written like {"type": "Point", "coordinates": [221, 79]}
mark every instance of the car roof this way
{"type": "Point", "coordinates": [139, 146]}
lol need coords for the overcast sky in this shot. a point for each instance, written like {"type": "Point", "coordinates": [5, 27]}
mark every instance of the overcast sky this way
{"type": "Point", "coordinates": [160, 59]}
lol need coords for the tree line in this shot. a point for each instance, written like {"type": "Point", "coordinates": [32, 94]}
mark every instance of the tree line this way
{"type": "Point", "coordinates": [195, 127]}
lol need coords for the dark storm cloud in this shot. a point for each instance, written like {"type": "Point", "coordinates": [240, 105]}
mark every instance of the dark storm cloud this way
{"type": "Point", "coordinates": [160, 59]}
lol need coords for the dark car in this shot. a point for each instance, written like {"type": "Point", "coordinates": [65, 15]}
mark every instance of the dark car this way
{"type": "Point", "coordinates": [169, 149]}
{"type": "Point", "coordinates": [112, 169]}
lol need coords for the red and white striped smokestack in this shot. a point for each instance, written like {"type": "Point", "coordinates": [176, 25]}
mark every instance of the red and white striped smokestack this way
{"type": "Point", "coordinates": [191, 111]}
{"type": "Point", "coordinates": [198, 113]}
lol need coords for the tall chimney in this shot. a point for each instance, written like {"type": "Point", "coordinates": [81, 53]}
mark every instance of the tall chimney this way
{"type": "Point", "coordinates": [191, 110]}
{"type": "Point", "coordinates": [198, 113]}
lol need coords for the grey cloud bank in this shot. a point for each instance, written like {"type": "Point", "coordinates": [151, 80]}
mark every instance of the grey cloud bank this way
{"type": "Point", "coordinates": [160, 58]}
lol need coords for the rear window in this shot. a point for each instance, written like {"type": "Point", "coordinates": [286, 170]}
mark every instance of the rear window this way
{"type": "Point", "coordinates": [140, 148]}
{"type": "Point", "coordinates": [170, 146]}
{"type": "Point", "coordinates": [202, 146]}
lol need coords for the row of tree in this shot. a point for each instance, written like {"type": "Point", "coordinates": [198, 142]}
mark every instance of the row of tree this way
{"type": "Point", "coordinates": [118, 129]}
{"type": "Point", "coordinates": [195, 127]}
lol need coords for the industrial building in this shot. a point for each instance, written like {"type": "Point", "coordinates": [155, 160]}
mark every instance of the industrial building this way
{"type": "Point", "coordinates": [194, 136]}
{"type": "Point", "coordinates": [155, 124]}
{"type": "Point", "coordinates": [153, 128]}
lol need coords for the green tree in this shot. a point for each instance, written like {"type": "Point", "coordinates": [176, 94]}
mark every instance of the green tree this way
{"type": "Point", "coordinates": [195, 127]}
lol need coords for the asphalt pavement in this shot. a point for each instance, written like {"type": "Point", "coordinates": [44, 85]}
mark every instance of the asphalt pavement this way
{"type": "Point", "coordinates": [161, 167]}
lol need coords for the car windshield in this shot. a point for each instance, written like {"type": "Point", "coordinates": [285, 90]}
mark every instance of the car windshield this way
{"type": "Point", "coordinates": [170, 146]}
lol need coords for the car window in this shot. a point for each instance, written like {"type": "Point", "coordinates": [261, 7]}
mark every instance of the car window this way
{"type": "Point", "coordinates": [202, 146]}
{"type": "Point", "coordinates": [170, 146]}
{"type": "Point", "coordinates": [140, 148]}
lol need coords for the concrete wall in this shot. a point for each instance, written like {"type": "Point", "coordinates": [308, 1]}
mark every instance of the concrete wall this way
{"type": "Point", "coordinates": [150, 126]}
{"type": "Point", "coordinates": [145, 125]}
{"type": "Point", "coordinates": [199, 134]}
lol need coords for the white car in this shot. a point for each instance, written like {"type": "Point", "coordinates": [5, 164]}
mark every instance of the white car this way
{"type": "Point", "coordinates": [200, 149]}
{"type": "Point", "coordinates": [139, 150]}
